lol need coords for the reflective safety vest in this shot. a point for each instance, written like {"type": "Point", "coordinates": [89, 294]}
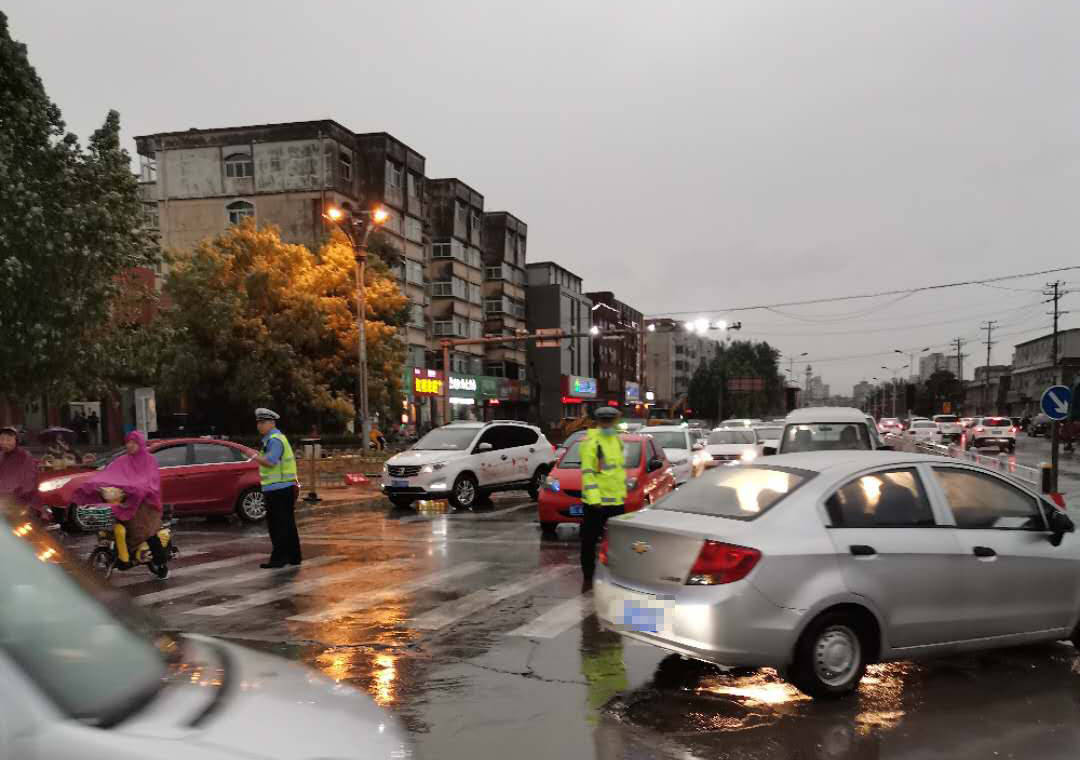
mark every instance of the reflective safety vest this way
{"type": "Point", "coordinates": [285, 470]}
{"type": "Point", "coordinates": [603, 477]}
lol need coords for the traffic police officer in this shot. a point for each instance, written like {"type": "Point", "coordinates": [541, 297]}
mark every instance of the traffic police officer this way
{"type": "Point", "coordinates": [603, 485]}
{"type": "Point", "coordinates": [277, 472]}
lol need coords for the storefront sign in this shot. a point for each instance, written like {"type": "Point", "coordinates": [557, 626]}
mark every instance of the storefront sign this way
{"type": "Point", "coordinates": [580, 387]}
{"type": "Point", "coordinates": [489, 387]}
{"type": "Point", "coordinates": [632, 393]}
{"type": "Point", "coordinates": [427, 382]}
{"type": "Point", "coordinates": [462, 384]}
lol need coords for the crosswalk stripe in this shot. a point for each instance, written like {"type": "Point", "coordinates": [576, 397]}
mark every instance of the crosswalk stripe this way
{"type": "Point", "coordinates": [301, 586]}
{"type": "Point", "coordinates": [451, 612]}
{"type": "Point", "coordinates": [560, 618]}
{"type": "Point", "coordinates": [185, 570]}
{"type": "Point", "coordinates": [193, 588]}
{"type": "Point", "coordinates": [371, 598]}
{"type": "Point", "coordinates": [143, 574]}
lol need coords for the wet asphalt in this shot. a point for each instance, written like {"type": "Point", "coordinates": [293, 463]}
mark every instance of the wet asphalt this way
{"type": "Point", "coordinates": [471, 629]}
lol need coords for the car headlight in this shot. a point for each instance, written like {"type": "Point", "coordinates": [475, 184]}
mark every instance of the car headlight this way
{"type": "Point", "coordinates": [552, 484]}
{"type": "Point", "coordinates": [53, 483]}
{"type": "Point", "coordinates": [748, 456]}
{"type": "Point", "coordinates": [433, 467]}
{"type": "Point", "coordinates": [631, 484]}
{"type": "Point", "coordinates": [386, 468]}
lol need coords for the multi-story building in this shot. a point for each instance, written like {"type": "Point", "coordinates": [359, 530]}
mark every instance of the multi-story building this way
{"type": "Point", "coordinates": [1034, 369]}
{"type": "Point", "coordinates": [615, 359]}
{"type": "Point", "coordinates": [456, 271]}
{"type": "Point", "coordinates": [504, 292]}
{"type": "Point", "coordinates": [987, 398]}
{"type": "Point", "coordinates": [562, 373]}
{"type": "Point", "coordinates": [937, 362]}
{"type": "Point", "coordinates": [198, 182]}
{"type": "Point", "coordinates": [861, 393]}
{"type": "Point", "coordinates": [672, 356]}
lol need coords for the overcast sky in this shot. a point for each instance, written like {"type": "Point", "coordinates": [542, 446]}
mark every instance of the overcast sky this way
{"type": "Point", "coordinates": [686, 155]}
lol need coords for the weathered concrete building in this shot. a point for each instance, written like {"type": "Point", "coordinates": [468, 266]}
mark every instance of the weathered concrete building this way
{"type": "Point", "coordinates": [563, 373]}
{"type": "Point", "coordinates": [1034, 369]}
{"type": "Point", "coordinates": [505, 237]}
{"type": "Point", "coordinates": [456, 270]}
{"type": "Point", "coordinates": [616, 360]}
{"type": "Point", "coordinates": [672, 356]}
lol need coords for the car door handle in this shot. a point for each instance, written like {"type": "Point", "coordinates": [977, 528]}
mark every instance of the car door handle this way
{"type": "Point", "coordinates": [532, 451]}
{"type": "Point", "coordinates": [504, 457]}
{"type": "Point", "coordinates": [983, 551]}
{"type": "Point", "coordinates": [862, 550]}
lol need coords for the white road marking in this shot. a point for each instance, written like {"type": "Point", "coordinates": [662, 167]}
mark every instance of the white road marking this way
{"type": "Point", "coordinates": [301, 586]}
{"type": "Point", "coordinates": [560, 618]}
{"type": "Point", "coordinates": [371, 598]}
{"type": "Point", "coordinates": [451, 612]}
{"type": "Point", "coordinates": [194, 588]}
{"type": "Point", "coordinates": [466, 515]}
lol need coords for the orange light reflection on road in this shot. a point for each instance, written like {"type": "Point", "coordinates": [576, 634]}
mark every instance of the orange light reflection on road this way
{"type": "Point", "coordinates": [385, 675]}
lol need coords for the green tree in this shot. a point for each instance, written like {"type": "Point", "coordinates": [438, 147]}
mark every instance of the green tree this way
{"type": "Point", "coordinates": [739, 358]}
{"type": "Point", "coordinates": [256, 321]}
{"type": "Point", "coordinates": [70, 226]}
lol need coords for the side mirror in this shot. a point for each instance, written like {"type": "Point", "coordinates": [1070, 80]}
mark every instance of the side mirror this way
{"type": "Point", "coordinates": [485, 446]}
{"type": "Point", "coordinates": [698, 446]}
{"type": "Point", "coordinates": [1060, 524]}
{"type": "Point", "coordinates": [655, 464]}
{"type": "Point", "coordinates": [886, 447]}
{"type": "Point", "coordinates": [768, 451]}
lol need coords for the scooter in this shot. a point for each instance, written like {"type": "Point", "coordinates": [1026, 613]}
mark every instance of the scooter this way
{"type": "Point", "coordinates": [104, 558]}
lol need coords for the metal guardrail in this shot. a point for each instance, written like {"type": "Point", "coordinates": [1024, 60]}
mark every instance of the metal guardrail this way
{"type": "Point", "coordinates": [1003, 463]}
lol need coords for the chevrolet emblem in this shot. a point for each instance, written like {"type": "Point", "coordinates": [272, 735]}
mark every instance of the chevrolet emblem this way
{"type": "Point", "coordinates": [640, 547]}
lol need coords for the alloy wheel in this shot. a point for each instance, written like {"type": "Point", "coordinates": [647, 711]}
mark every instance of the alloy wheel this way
{"type": "Point", "coordinates": [253, 505]}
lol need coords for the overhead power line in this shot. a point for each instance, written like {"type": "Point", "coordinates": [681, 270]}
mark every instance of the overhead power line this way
{"type": "Point", "coordinates": [879, 294]}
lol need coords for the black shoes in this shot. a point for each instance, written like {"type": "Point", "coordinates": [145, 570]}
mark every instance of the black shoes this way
{"type": "Point", "coordinates": [586, 585]}
{"type": "Point", "coordinates": [161, 571]}
{"type": "Point", "coordinates": [271, 565]}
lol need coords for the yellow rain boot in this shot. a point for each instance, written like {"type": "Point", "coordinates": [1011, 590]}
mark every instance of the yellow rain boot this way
{"type": "Point", "coordinates": [120, 533]}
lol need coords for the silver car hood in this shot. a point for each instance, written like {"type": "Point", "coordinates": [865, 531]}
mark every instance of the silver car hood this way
{"type": "Point", "coordinates": [246, 704]}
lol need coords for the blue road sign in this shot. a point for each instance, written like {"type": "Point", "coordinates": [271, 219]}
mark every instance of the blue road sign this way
{"type": "Point", "coordinates": [1055, 402]}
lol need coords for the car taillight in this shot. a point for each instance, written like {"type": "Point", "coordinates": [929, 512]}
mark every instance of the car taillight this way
{"type": "Point", "coordinates": [718, 563]}
{"type": "Point", "coordinates": [978, 430]}
{"type": "Point", "coordinates": [601, 554]}
{"type": "Point", "coordinates": [1012, 429]}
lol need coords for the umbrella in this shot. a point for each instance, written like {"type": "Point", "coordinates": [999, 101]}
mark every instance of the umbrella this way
{"type": "Point", "coordinates": [52, 433]}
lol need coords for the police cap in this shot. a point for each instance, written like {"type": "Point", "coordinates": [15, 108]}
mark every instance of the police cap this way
{"type": "Point", "coordinates": [263, 413]}
{"type": "Point", "coordinates": [606, 413]}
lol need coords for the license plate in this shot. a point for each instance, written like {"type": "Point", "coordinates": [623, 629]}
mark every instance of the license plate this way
{"type": "Point", "coordinates": [577, 510]}
{"type": "Point", "coordinates": [641, 613]}
{"type": "Point", "coordinates": [399, 483]}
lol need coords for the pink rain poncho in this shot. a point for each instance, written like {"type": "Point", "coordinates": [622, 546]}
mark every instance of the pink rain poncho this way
{"type": "Point", "coordinates": [137, 474]}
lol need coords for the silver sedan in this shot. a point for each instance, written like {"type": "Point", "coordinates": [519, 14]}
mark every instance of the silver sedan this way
{"type": "Point", "coordinates": [821, 563]}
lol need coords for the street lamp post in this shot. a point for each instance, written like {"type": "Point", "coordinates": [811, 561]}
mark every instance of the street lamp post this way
{"type": "Point", "coordinates": [348, 225]}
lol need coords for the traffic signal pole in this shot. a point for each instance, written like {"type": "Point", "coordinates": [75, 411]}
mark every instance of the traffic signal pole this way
{"type": "Point", "coordinates": [1055, 442]}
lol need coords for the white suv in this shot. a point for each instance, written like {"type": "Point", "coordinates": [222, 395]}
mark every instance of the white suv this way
{"type": "Point", "coordinates": [466, 462]}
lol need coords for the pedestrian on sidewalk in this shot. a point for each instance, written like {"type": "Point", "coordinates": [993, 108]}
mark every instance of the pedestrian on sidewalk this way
{"type": "Point", "coordinates": [603, 486]}
{"type": "Point", "coordinates": [277, 472]}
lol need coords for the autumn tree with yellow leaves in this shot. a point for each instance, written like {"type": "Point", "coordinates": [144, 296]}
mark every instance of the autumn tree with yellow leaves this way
{"type": "Point", "coordinates": [260, 322]}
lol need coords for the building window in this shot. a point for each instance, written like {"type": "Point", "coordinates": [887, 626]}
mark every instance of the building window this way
{"type": "Point", "coordinates": [476, 329]}
{"type": "Point", "coordinates": [494, 273]}
{"type": "Point", "coordinates": [414, 272]}
{"type": "Point", "coordinates": [495, 369]}
{"type": "Point", "coordinates": [239, 165]}
{"type": "Point", "coordinates": [474, 295]}
{"type": "Point", "coordinates": [416, 315]}
{"type": "Point", "coordinates": [414, 229]}
{"type": "Point", "coordinates": [459, 209]}
{"type": "Point", "coordinates": [345, 164]}
{"type": "Point", "coordinates": [414, 186]}
{"type": "Point", "coordinates": [238, 211]}
{"type": "Point", "coordinates": [393, 176]}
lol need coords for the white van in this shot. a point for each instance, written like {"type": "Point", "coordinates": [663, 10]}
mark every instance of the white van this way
{"type": "Point", "coordinates": [828, 428]}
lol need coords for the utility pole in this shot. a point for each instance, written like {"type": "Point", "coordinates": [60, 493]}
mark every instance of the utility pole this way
{"type": "Point", "coordinates": [989, 327]}
{"type": "Point", "coordinates": [806, 402]}
{"type": "Point", "coordinates": [1055, 292]}
{"type": "Point", "coordinates": [958, 344]}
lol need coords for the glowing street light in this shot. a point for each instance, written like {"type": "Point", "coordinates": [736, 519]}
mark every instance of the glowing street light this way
{"type": "Point", "coordinates": [380, 215]}
{"type": "Point", "coordinates": [594, 330]}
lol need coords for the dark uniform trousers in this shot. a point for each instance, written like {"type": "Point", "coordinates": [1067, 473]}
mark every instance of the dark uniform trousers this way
{"type": "Point", "coordinates": [281, 523]}
{"type": "Point", "coordinates": [592, 529]}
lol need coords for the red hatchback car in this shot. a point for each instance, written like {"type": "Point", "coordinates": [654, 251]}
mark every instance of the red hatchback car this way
{"type": "Point", "coordinates": [199, 476]}
{"type": "Point", "coordinates": [648, 478]}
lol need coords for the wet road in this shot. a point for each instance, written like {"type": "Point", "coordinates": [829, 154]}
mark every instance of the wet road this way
{"type": "Point", "coordinates": [471, 629]}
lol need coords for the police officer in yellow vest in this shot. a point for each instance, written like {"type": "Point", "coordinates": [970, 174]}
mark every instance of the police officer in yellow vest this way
{"type": "Point", "coordinates": [277, 471]}
{"type": "Point", "coordinates": [603, 485]}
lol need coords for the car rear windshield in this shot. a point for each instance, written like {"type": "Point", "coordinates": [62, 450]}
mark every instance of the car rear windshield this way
{"type": "Point", "coordinates": [447, 439]}
{"type": "Point", "coordinates": [769, 434]}
{"type": "Point", "coordinates": [923, 424]}
{"type": "Point", "coordinates": [732, 436]}
{"type": "Point", "coordinates": [739, 493]}
{"type": "Point", "coordinates": [572, 458]}
{"type": "Point", "coordinates": [670, 439]}
{"type": "Point", "coordinates": [996, 422]}
{"type": "Point", "coordinates": [945, 418]}
{"type": "Point", "coordinates": [825, 436]}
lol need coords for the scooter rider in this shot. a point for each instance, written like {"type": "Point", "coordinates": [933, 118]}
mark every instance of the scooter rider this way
{"type": "Point", "coordinates": [603, 485]}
